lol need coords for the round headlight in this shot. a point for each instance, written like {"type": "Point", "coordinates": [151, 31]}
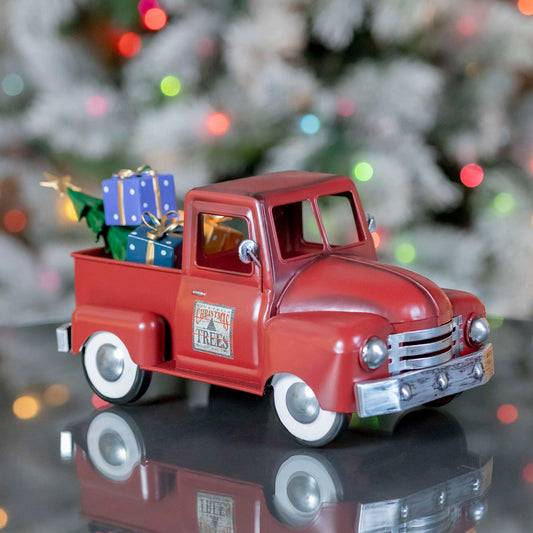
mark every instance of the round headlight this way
{"type": "Point", "coordinates": [479, 330]}
{"type": "Point", "coordinates": [375, 353]}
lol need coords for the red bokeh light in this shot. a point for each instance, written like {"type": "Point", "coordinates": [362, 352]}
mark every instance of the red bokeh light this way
{"type": "Point", "coordinates": [49, 281]}
{"type": "Point", "coordinates": [345, 107]}
{"type": "Point", "coordinates": [15, 220]}
{"type": "Point", "coordinates": [376, 237]}
{"type": "Point", "coordinates": [528, 473]}
{"type": "Point", "coordinates": [129, 44]}
{"type": "Point", "coordinates": [145, 5]}
{"type": "Point", "coordinates": [155, 19]}
{"type": "Point", "coordinates": [525, 7]}
{"type": "Point", "coordinates": [507, 414]}
{"type": "Point", "coordinates": [98, 403]}
{"type": "Point", "coordinates": [466, 26]}
{"type": "Point", "coordinates": [471, 175]}
{"type": "Point", "coordinates": [96, 106]}
{"type": "Point", "coordinates": [218, 123]}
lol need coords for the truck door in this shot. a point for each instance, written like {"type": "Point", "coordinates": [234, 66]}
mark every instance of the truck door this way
{"type": "Point", "coordinates": [221, 304]}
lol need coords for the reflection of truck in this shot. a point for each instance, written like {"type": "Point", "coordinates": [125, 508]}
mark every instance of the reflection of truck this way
{"type": "Point", "coordinates": [290, 303]}
{"type": "Point", "coordinates": [139, 473]}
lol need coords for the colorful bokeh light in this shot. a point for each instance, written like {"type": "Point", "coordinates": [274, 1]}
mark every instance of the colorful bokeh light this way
{"type": "Point", "coordinates": [56, 395]}
{"type": "Point", "coordinates": [405, 252]}
{"type": "Point", "coordinates": [3, 518]}
{"type": "Point", "coordinates": [363, 171]}
{"type": "Point", "coordinates": [507, 414]}
{"type": "Point", "coordinates": [345, 107]}
{"type": "Point", "coordinates": [503, 203]}
{"type": "Point", "coordinates": [15, 220]}
{"type": "Point", "coordinates": [12, 84]}
{"type": "Point", "coordinates": [528, 472]}
{"type": "Point", "coordinates": [471, 175]}
{"type": "Point", "coordinates": [170, 86]}
{"type": "Point", "coordinates": [96, 106]}
{"type": "Point", "coordinates": [525, 7]}
{"type": "Point", "coordinates": [310, 124]}
{"type": "Point", "coordinates": [218, 123]}
{"type": "Point", "coordinates": [49, 280]}
{"type": "Point", "coordinates": [495, 321]}
{"type": "Point", "coordinates": [26, 407]}
{"type": "Point", "coordinates": [376, 237]}
{"type": "Point", "coordinates": [98, 403]}
{"type": "Point", "coordinates": [467, 26]}
{"type": "Point", "coordinates": [129, 44]}
{"type": "Point", "coordinates": [145, 5]}
{"type": "Point", "coordinates": [154, 19]}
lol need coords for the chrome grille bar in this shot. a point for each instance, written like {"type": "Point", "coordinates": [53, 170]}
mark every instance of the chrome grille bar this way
{"type": "Point", "coordinates": [421, 349]}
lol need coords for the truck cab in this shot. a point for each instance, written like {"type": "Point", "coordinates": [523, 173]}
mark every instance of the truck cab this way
{"type": "Point", "coordinates": [279, 290]}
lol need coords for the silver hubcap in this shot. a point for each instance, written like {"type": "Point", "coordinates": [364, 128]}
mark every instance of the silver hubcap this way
{"type": "Point", "coordinates": [112, 448]}
{"type": "Point", "coordinates": [110, 362]}
{"type": "Point", "coordinates": [303, 492]}
{"type": "Point", "coordinates": [302, 403]}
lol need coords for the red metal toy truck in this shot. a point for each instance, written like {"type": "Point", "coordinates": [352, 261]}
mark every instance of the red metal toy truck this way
{"type": "Point", "coordinates": [277, 297]}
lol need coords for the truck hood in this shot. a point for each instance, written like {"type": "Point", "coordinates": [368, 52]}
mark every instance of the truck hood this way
{"type": "Point", "coordinates": [339, 283]}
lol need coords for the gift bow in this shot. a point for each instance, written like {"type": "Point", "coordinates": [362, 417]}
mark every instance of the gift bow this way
{"type": "Point", "coordinates": [161, 228]}
{"type": "Point", "coordinates": [128, 173]}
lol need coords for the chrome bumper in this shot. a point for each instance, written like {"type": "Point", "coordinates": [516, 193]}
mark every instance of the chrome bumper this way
{"type": "Point", "coordinates": [408, 390]}
{"type": "Point", "coordinates": [63, 337]}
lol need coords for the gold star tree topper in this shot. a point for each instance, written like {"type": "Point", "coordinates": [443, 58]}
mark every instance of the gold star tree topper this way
{"type": "Point", "coordinates": [59, 184]}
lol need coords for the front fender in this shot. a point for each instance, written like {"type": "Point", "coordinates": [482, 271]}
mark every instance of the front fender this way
{"type": "Point", "coordinates": [323, 348]}
{"type": "Point", "coordinates": [142, 332]}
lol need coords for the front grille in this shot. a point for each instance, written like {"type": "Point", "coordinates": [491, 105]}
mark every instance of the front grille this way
{"type": "Point", "coordinates": [424, 348]}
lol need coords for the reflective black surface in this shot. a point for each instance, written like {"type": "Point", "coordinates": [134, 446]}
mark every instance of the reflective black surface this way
{"type": "Point", "coordinates": [194, 458]}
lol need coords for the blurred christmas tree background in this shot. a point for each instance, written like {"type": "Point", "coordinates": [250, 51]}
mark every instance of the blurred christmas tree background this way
{"type": "Point", "coordinates": [426, 104]}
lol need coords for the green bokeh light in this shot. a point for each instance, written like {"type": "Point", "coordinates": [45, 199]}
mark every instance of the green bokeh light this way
{"type": "Point", "coordinates": [405, 252]}
{"type": "Point", "coordinates": [12, 84]}
{"type": "Point", "coordinates": [170, 86]}
{"type": "Point", "coordinates": [495, 321]}
{"type": "Point", "coordinates": [503, 203]}
{"type": "Point", "coordinates": [363, 171]}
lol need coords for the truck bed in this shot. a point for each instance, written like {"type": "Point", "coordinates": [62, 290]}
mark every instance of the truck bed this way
{"type": "Point", "coordinates": [103, 281]}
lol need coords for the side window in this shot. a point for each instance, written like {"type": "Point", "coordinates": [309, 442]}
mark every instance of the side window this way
{"type": "Point", "coordinates": [218, 243]}
{"type": "Point", "coordinates": [338, 216]}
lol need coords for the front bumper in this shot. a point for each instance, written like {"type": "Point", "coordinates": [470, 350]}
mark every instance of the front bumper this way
{"type": "Point", "coordinates": [408, 390]}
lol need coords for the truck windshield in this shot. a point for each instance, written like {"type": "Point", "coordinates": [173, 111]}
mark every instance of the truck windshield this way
{"type": "Point", "coordinates": [297, 228]}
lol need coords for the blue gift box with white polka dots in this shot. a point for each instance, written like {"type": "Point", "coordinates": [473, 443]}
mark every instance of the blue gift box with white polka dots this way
{"type": "Point", "coordinates": [165, 252]}
{"type": "Point", "coordinates": [125, 199]}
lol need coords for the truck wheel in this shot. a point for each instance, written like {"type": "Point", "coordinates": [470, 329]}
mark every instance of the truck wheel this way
{"type": "Point", "coordinates": [304, 483]}
{"type": "Point", "coordinates": [110, 370]}
{"type": "Point", "coordinates": [298, 410]}
{"type": "Point", "coordinates": [114, 446]}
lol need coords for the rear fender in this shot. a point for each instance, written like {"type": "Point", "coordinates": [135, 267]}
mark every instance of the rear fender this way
{"type": "Point", "coordinates": [323, 349]}
{"type": "Point", "coordinates": [142, 332]}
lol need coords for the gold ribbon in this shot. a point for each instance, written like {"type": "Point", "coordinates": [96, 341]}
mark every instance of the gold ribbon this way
{"type": "Point", "coordinates": [128, 173]}
{"type": "Point", "coordinates": [160, 229]}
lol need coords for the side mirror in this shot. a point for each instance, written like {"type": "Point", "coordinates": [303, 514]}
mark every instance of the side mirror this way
{"type": "Point", "coordinates": [248, 251]}
{"type": "Point", "coordinates": [371, 221]}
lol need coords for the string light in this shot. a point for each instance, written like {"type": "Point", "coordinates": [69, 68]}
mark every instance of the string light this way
{"type": "Point", "coordinates": [12, 84]}
{"type": "Point", "coordinates": [26, 407]}
{"type": "Point", "coordinates": [145, 5]}
{"type": "Point", "coordinates": [218, 123]}
{"type": "Point", "coordinates": [56, 395]}
{"type": "Point", "coordinates": [376, 237]}
{"type": "Point", "coordinates": [345, 107]}
{"type": "Point", "coordinates": [405, 252]}
{"type": "Point", "coordinates": [310, 124]}
{"type": "Point", "coordinates": [471, 175]}
{"type": "Point", "coordinates": [528, 472]}
{"type": "Point", "coordinates": [466, 26]}
{"type": "Point", "coordinates": [507, 414]}
{"type": "Point", "coordinates": [503, 203]}
{"type": "Point", "coordinates": [96, 106]}
{"type": "Point", "coordinates": [129, 44]}
{"type": "Point", "coordinates": [3, 518]}
{"type": "Point", "coordinates": [15, 220]}
{"type": "Point", "coordinates": [155, 19]}
{"type": "Point", "coordinates": [170, 86]}
{"type": "Point", "coordinates": [525, 7]}
{"type": "Point", "coordinates": [363, 171]}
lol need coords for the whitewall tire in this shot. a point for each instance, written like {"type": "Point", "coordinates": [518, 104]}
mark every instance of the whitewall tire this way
{"type": "Point", "coordinates": [110, 370]}
{"type": "Point", "coordinates": [298, 410]}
